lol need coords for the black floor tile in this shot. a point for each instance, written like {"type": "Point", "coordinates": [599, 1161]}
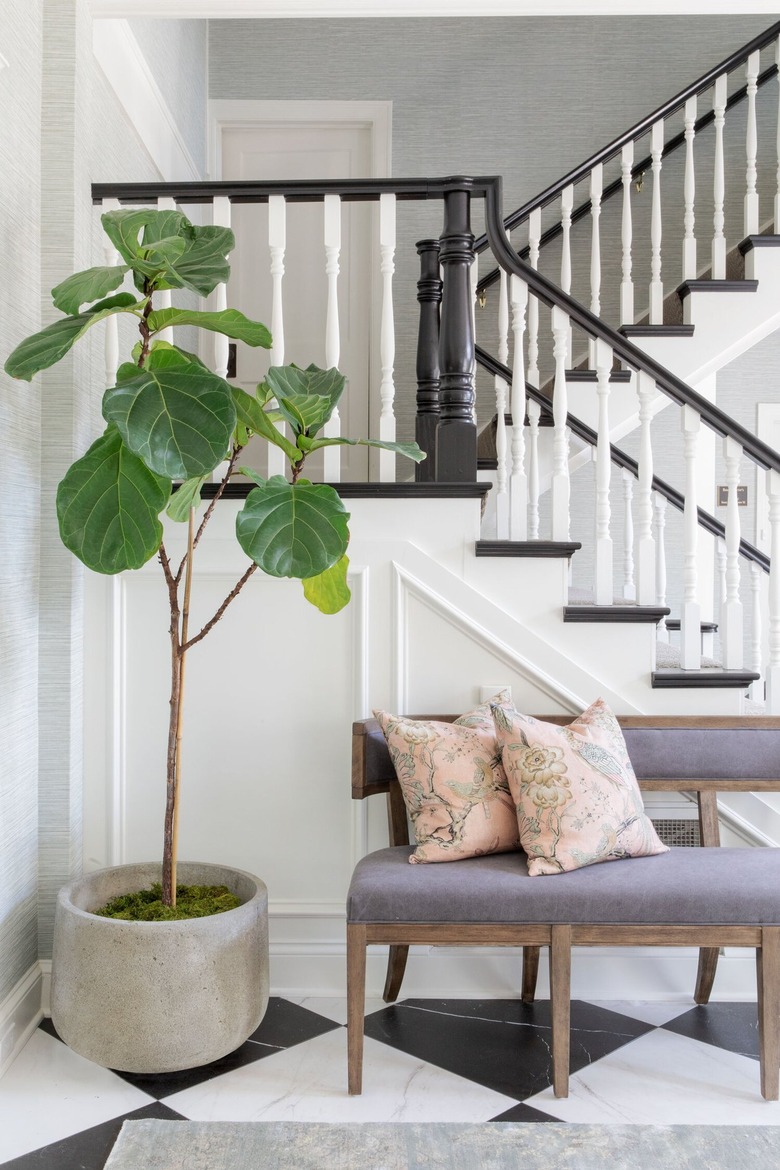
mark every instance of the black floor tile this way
{"type": "Point", "coordinates": [284, 1025]}
{"type": "Point", "coordinates": [89, 1149]}
{"type": "Point", "coordinates": [733, 1026]}
{"type": "Point", "coordinates": [504, 1045]}
{"type": "Point", "coordinates": [525, 1113]}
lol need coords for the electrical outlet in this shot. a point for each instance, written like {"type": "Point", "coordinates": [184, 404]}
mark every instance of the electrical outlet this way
{"type": "Point", "coordinates": [487, 692]}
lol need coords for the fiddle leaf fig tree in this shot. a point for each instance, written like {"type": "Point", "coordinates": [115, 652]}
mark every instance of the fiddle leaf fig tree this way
{"type": "Point", "coordinates": [170, 422]}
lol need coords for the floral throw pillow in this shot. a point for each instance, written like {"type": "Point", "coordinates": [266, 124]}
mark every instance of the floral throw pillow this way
{"type": "Point", "coordinates": [453, 783]}
{"type": "Point", "coordinates": [577, 798]}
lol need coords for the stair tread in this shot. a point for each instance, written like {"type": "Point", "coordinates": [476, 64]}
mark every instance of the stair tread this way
{"type": "Point", "coordinates": [621, 611]}
{"type": "Point", "coordinates": [656, 330]}
{"type": "Point", "coordinates": [689, 286]}
{"type": "Point", "coordinates": [767, 240]}
{"type": "Point", "coordinates": [711, 677]}
{"type": "Point", "coordinates": [526, 548]}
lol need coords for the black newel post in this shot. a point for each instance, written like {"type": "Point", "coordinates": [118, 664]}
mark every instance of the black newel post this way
{"type": "Point", "coordinates": [429, 297]}
{"type": "Point", "coordinates": [456, 436]}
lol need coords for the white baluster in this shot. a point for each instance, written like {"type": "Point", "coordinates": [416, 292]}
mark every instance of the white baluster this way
{"type": "Point", "coordinates": [387, 336]}
{"type": "Point", "coordinates": [567, 205]}
{"type": "Point", "coordinates": [534, 410]}
{"type": "Point", "coordinates": [502, 496]}
{"type": "Point", "coordinates": [534, 238]}
{"type": "Point", "coordinates": [656, 227]}
{"type": "Point", "coordinates": [773, 666]}
{"type": "Point", "coordinates": [690, 619]}
{"type": "Point", "coordinates": [332, 237]}
{"type": "Point", "coordinates": [560, 471]}
{"type": "Point", "coordinates": [721, 561]}
{"type": "Point", "coordinates": [627, 285]}
{"type": "Point", "coordinates": [604, 587]}
{"type": "Point", "coordinates": [629, 583]}
{"type": "Point", "coordinates": [659, 504]}
{"type": "Point", "coordinates": [518, 499]}
{"type": "Point", "coordinates": [731, 617]}
{"type": "Point", "coordinates": [751, 146]}
{"type": "Point", "coordinates": [112, 323]}
{"type": "Point", "coordinates": [777, 177]}
{"type": "Point", "coordinates": [756, 687]}
{"type": "Point", "coordinates": [689, 242]}
{"type": "Point", "coordinates": [277, 244]}
{"type": "Point", "coordinates": [163, 297]}
{"type": "Point", "coordinates": [220, 217]}
{"type": "Point", "coordinates": [645, 542]}
{"type": "Point", "coordinates": [596, 191]}
{"type": "Point", "coordinates": [720, 95]}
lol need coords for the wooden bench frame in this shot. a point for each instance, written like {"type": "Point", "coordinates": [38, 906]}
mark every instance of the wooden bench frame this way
{"type": "Point", "coordinates": [368, 781]}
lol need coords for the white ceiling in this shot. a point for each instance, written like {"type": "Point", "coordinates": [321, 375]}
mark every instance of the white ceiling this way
{"type": "Point", "coordinates": [285, 9]}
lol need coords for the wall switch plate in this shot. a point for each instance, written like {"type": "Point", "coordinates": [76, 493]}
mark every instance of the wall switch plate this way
{"type": "Point", "coordinates": [487, 692]}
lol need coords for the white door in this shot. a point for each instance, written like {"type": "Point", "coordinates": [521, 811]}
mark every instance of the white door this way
{"type": "Point", "coordinates": [278, 150]}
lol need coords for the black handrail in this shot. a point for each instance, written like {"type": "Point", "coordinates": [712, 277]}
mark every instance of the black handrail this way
{"type": "Point", "coordinates": [720, 422]}
{"type": "Point", "coordinates": [639, 168]}
{"type": "Point", "coordinates": [295, 191]}
{"type": "Point", "coordinates": [621, 459]}
{"type": "Point", "coordinates": [671, 107]}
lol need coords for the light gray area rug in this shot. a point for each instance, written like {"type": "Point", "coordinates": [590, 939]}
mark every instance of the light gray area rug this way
{"type": "Point", "coordinates": [290, 1145]}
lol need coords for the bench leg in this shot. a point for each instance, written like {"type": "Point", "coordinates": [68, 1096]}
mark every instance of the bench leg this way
{"type": "Point", "coordinates": [560, 1006]}
{"type": "Point", "coordinates": [356, 1004]}
{"type": "Point", "coordinates": [768, 981]}
{"type": "Point", "coordinates": [530, 973]}
{"type": "Point", "coordinates": [396, 965]}
{"type": "Point", "coordinates": [709, 835]}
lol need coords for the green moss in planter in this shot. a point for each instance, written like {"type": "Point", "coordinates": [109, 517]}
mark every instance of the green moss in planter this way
{"type": "Point", "coordinates": [191, 902]}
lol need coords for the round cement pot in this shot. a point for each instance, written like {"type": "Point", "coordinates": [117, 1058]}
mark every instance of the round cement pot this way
{"type": "Point", "coordinates": [151, 997]}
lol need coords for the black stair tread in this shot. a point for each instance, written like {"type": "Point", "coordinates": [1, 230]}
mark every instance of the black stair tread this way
{"type": "Point", "coordinates": [621, 612]}
{"type": "Point", "coordinates": [762, 241]}
{"type": "Point", "coordinates": [706, 627]}
{"type": "Point", "coordinates": [526, 548]}
{"type": "Point", "coordinates": [656, 330]}
{"type": "Point", "coordinates": [712, 677]}
{"type": "Point", "coordinates": [592, 376]}
{"type": "Point", "coordinates": [689, 286]}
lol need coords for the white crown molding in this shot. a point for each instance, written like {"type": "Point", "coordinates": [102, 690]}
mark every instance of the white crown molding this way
{"type": "Point", "coordinates": [335, 9]}
{"type": "Point", "coordinates": [119, 56]}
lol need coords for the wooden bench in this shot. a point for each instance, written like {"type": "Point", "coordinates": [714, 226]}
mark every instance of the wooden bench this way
{"type": "Point", "coordinates": [709, 898]}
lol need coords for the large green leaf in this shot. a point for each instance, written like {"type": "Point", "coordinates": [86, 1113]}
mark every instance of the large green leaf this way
{"type": "Point", "coordinates": [84, 287]}
{"type": "Point", "coordinates": [108, 506]}
{"type": "Point", "coordinates": [185, 498]}
{"type": "Point", "coordinates": [307, 397]}
{"type": "Point", "coordinates": [123, 227]}
{"type": "Point", "coordinates": [293, 530]}
{"type": "Point", "coordinates": [228, 321]}
{"type": "Point", "coordinates": [47, 347]}
{"type": "Point", "coordinates": [179, 421]}
{"type": "Point", "coordinates": [204, 264]}
{"type": "Point", "coordinates": [409, 450]}
{"type": "Point", "coordinates": [251, 414]}
{"type": "Point", "coordinates": [164, 225]}
{"type": "Point", "coordinates": [329, 590]}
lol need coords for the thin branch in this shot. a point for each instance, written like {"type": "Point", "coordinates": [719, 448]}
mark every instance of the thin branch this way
{"type": "Point", "coordinates": [230, 597]}
{"type": "Point", "coordinates": [170, 580]}
{"type": "Point", "coordinates": [212, 505]}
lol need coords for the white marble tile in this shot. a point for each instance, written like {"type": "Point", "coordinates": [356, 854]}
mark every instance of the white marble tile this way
{"type": "Point", "coordinates": [50, 1093]}
{"type": "Point", "coordinates": [665, 1079]}
{"type": "Point", "coordinates": [336, 1009]}
{"type": "Point", "coordinates": [649, 1011]}
{"type": "Point", "coordinates": [309, 1083]}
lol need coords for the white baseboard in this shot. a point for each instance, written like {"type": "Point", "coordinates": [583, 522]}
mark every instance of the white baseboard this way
{"type": "Point", "coordinates": [20, 1014]}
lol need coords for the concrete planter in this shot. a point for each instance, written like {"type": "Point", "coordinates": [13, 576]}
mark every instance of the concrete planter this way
{"type": "Point", "coordinates": [151, 997]}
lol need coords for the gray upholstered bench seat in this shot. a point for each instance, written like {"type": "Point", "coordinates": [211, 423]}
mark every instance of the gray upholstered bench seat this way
{"type": "Point", "coordinates": [683, 887]}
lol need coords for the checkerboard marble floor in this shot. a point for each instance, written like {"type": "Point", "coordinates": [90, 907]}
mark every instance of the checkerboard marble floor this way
{"type": "Point", "coordinates": [434, 1060]}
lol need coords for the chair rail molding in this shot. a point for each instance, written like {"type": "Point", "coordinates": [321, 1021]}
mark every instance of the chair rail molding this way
{"type": "Point", "coordinates": [311, 9]}
{"type": "Point", "coordinates": [119, 55]}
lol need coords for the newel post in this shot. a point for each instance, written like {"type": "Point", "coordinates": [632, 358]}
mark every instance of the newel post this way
{"type": "Point", "coordinates": [456, 437]}
{"type": "Point", "coordinates": [429, 298]}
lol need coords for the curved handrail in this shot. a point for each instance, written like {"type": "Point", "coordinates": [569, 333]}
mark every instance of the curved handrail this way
{"type": "Point", "coordinates": [738, 57]}
{"type": "Point", "coordinates": [621, 459]}
{"type": "Point", "coordinates": [639, 168]}
{"type": "Point", "coordinates": [720, 422]}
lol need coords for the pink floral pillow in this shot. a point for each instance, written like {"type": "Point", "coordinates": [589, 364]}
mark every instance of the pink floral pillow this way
{"type": "Point", "coordinates": [454, 786]}
{"type": "Point", "coordinates": [577, 798]}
